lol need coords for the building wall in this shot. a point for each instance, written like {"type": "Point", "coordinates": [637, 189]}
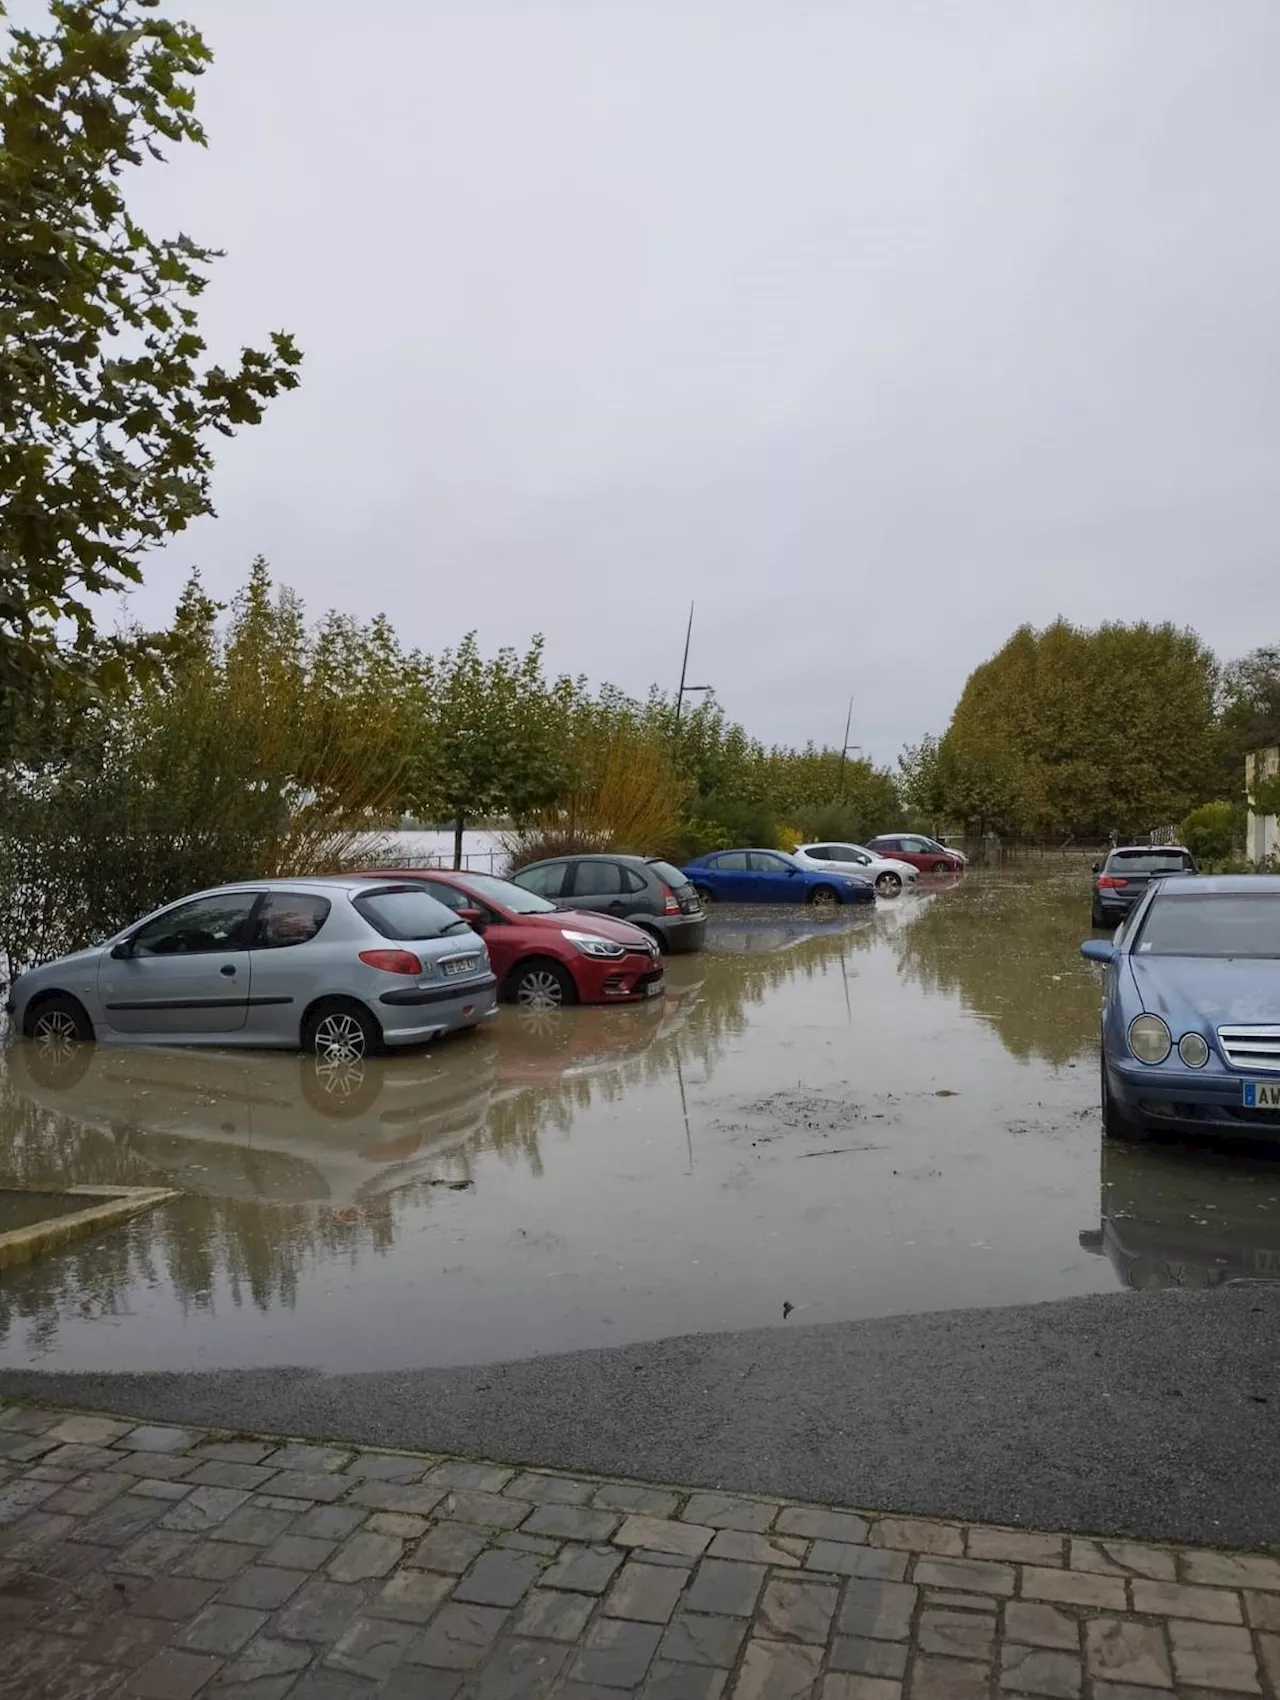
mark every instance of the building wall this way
{"type": "Point", "coordinates": [1262, 836]}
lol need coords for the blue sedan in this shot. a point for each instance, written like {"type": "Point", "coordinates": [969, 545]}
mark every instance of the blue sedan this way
{"type": "Point", "coordinates": [1191, 1016]}
{"type": "Point", "coordinates": [771, 876]}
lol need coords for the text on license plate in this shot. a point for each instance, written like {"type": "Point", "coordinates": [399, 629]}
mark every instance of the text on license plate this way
{"type": "Point", "coordinates": [460, 964]}
{"type": "Point", "coordinates": [655, 988]}
{"type": "Point", "coordinates": [1262, 1095]}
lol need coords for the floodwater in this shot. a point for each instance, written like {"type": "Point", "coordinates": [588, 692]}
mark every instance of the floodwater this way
{"type": "Point", "coordinates": [821, 1121]}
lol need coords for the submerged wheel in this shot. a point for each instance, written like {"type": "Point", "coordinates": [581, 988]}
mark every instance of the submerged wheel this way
{"type": "Point", "coordinates": [823, 897]}
{"type": "Point", "coordinates": [57, 1022]}
{"type": "Point", "coordinates": [341, 1032]}
{"type": "Point", "coordinates": [540, 984]}
{"type": "Point", "coordinates": [889, 884]}
{"type": "Point", "coordinates": [940, 868]}
{"type": "Point", "coordinates": [705, 894]}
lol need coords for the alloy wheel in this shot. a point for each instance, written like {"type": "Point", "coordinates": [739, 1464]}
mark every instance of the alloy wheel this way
{"type": "Point", "coordinates": [825, 900]}
{"type": "Point", "coordinates": [540, 989]}
{"type": "Point", "coordinates": [55, 1030]}
{"type": "Point", "coordinates": [340, 1038]}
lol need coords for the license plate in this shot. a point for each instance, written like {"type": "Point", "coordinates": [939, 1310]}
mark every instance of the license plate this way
{"type": "Point", "coordinates": [655, 988]}
{"type": "Point", "coordinates": [1262, 1095]}
{"type": "Point", "coordinates": [461, 965]}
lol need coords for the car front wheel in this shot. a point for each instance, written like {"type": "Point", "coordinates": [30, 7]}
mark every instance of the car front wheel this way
{"type": "Point", "coordinates": [940, 868]}
{"type": "Point", "coordinates": [889, 884]}
{"type": "Point", "coordinates": [57, 1022]}
{"type": "Point", "coordinates": [1115, 1124]}
{"type": "Point", "coordinates": [541, 985]}
{"type": "Point", "coordinates": [823, 897]}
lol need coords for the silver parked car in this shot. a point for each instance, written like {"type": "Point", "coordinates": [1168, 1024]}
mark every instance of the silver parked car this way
{"type": "Point", "coordinates": [339, 967]}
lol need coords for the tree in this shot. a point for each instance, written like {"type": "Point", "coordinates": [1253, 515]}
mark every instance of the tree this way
{"type": "Point", "coordinates": [1250, 712]}
{"type": "Point", "coordinates": [106, 404]}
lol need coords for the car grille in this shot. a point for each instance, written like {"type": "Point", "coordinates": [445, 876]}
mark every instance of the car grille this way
{"type": "Point", "coordinates": [1251, 1047]}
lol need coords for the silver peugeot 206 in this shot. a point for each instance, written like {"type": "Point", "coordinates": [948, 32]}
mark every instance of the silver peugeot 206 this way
{"type": "Point", "coordinates": [338, 967]}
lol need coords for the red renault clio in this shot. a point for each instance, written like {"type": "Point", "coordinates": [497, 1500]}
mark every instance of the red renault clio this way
{"type": "Point", "coordinates": [546, 957]}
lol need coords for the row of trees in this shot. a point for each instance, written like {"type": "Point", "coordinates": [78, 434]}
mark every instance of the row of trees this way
{"type": "Point", "coordinates": [1073, 732]}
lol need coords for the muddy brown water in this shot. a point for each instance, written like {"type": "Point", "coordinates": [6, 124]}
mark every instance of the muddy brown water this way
{"type": "Point", "coordinates": [821, 1121]}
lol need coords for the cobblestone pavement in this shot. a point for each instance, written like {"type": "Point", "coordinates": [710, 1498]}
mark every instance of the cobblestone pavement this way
{"type": "Point", "coordinates": [148, 1563]}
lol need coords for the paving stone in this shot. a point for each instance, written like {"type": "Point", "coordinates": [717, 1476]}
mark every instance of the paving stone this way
{"type": "Point", "coordinates": [122, 1521]}
{"type": "Point", "coordinates": [235, 1451]}
{"type": "Point", "coordinates": [1213, 1655]}
{"type": "Point", "coordinates": [1128, 1691]}
{"type": "Point", "coordinates": [837, 1687]}
{"type": "Point", "coordinates": [151, 1438]}
{"type": "Point", "coordinates": [1041, 1626]}
{"type": "Point", "coordinates": [253, 1525]}
{"type": "Point", "coordinates": [794, 1610]}
{"type": "Point", "coordinates": [1127, 1652]}
{"type": "Point", "coordinates": [648, 1593]}
{"type": "Point", "coordinates": [329, 1522]}
{"type": "Point", "coordinates": [412, 1596]}
{"type": "Point", "coordinates": [485, 1510]}
{"type": "Point", "coordinates": [521, 1670]}
{"type": "Point", "coordinates": [695, 1638]}
{"type": "Point", "coordinates": [520, 1542]}
{"type": "Point", "coordinates": [727, 1511]}
{"type": "Point", "coordinates": [957, 1634]}
{"type": "Point", "coordinates": [320, 1611]}
{"type": "Point", "coordinates": [616, 1653]}
{"type": "Point", "coordinates": [318, 1485]}
{"type": "Point", "coordinates": [1262, 1610]}
{"type": "Point", "coordinates": [842, 1560]}
{"type": "Point", "coordinates": [555, 1616]}
{"type": "Point", "coordinates": [174, 1597]}
{"type": "Point", "coordinates": [812, 1524]}
{"type": "Point", "coordinates": [28, 1419]}
{"type": "Point", "coordinates": [1075, 1588]}
{"type": "Point", "coordinates": [584, 1570]}
{"type": "Point", "coordinates": [540, 1489]}
{"type": "Point", "coordinates": [1171, 1599]}
{"type": "Point", "coordinates": [263, 1587]}
{"type": "Point", "coordinates": [950, 1600]}
{"type": "Point", "coordinates": [156, 1552]}
{"type": "Point", "coordinates": [155, 1466]}
{"type": "Point", "coordinates": [87, 1431]}
{"type": "Point", "coordinates": [577, 1523]}
{"type": "Point", "coordinates": [222, 1629]}
{"type": "Point", "coordinates": [173, 1675]}
{"type": "Point", "coordinates": [408, 1499]}
{"type": "Point", "coordinates": [476, 1478]}
{"type": "Point", "coordinates": [498, 1578]}
{"type": "Point", "coordinates": [773, 1670]}
{"type": "Point", "coordinates": [127, 1641]}
{"type": "Point", "coordinates": [17, 1498]}
{"type": "Point", "coordinates": [683, 1682]}
{"type": "Point", "coordinates": [151, 1489]}
{"type": "Point", "coordinates": [919, 1534]}
{"type": "Point", "coordinates": [881, 1610]}
{"type": "Point", "coordinates": [397, 1524]}
{"type": "Point", "coordinates": [299, 1552]}
{"type": "Point", "coordinates": [723, 1587]}
{"type": "Point", "coordinates": [971, 1574]}
{"type": "Point", "coordinates": [1123, 1558]}
{"type": "Point", "coordinates": [450, 1547]}
{"type": "Point", "coordinates": [1269, 1648]}
{"type": "Point", "coordinates": [887, 1659]}
{"type": "Point", "coordinates": [419, 1683]}
{"type": "Point", "coordinates": [1232, 1569]}
{"type": "Point", "coordinates": [1038, 1670]}
{"type": "Point", "coordinates": [332, 1685]}
{"type": "Point", "coordinates": [661, 1534]}
{"type": "Point", "coordinates": [627, 1496]}
{"type": "Point", "coordinates": [1015, 1546]}
{"type": "Point", "coordinates": [308, 1460]}
{"type": "Point", "coordinates": [372, 1647]}
{"type": "Point", "coordinates": [387, 1467]}
{"type": "Point", "coordinates": [277, 1502]}
{"type": "Point", "coordinates": [214, 1473]}
{"type": "Point", "coordinates": [459, 1637]}
{"type": "Point", "coordinates": [949, 1679]}
{"type": "Point", "coordinates": [259, 1688]}
{"type": "Point", "coordinates": [78, 1459]}
{"type": "Point", "coordinates": [365, 1558]}
{"type": "Point", "coordinates": [204, 1508]}
{"type": "Point", "coordinates": [215, 1561]}
{"type": "Point", "coordinates": [744, 1548]}
{"type": "Point", "coordinates": [267, 1657]}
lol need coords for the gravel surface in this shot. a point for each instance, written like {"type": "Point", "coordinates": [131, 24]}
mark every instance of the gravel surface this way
{"type": "Point", "coordinates": [1144, 1414]}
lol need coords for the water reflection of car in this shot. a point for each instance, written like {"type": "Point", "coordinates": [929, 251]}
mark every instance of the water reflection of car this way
{"type": "Point", "coordinates": [772, 876]}
{"type": "Point", "coordinates": [1191, 1015]}
{"type": "Point", "coordinates": [1186, 1219]}
{"type": "Point", "coordinates": [1123, 878]}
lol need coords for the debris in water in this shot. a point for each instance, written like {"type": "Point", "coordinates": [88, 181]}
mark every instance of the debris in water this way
{"type": "Point", "coordinates": [787, 1308]}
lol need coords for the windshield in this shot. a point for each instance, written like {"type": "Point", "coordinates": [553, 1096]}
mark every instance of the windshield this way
{"type": "Point", "coordinates": [1225, 924]}
{"type": "Point", "coordinates": [511, 896]}
{"type": "Point", "coordinates": [408, 914]}
{"type": "Point", "coordinates": [1150, 862]}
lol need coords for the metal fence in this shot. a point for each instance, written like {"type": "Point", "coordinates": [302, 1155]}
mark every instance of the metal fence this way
{"type": "Point", "coordinates": [473, 861]}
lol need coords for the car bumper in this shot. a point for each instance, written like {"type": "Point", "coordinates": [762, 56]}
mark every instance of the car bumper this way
{"type": "Point", "coordinates": [680, 932]}
{"type": "Point", "coordinates": [1174, 1101]}
{"type": "Point", "coordinates": [599, 980]}
{"type": "Point", "coordinates": [411, 1015]}
{"type": "Point", "coordinates": [857, 894]}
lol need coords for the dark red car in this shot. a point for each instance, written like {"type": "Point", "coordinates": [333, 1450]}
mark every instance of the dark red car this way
{"type": "Point", "coordinates": [923, 853]}
{"type": "Point", "coordinates": [546, 957]}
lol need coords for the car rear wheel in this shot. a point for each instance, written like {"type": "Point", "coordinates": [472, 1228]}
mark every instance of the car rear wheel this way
{"type": "Point", "coordinates": [889, 884]}
{"type": "Point", "coordinates": [1115, 1124]}
{"type": "Point", "coordinates": [341, 1031]}
{"type": "Point", "coordinates": [705, 894]}
{"type": "Point", "coordinates": [823, 897]}
{"type": "Point", "coordinates": [541, 984]}
{"type": "Point", "coordinates": [58, 1022]}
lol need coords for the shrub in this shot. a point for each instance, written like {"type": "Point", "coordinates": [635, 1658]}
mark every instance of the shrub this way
{"type": "Point", "coordinates": [1212, 831]}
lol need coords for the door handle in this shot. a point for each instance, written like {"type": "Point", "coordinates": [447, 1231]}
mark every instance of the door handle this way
{"type": "Point", "coordinates": [229, 970]}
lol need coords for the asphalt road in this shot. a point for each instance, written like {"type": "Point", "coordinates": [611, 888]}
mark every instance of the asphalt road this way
{"type": "Point", "coordinates": [1146, 1414]}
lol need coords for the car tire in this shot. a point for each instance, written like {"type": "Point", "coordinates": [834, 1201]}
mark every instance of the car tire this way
{"type": "Point", "coordinates": [705, 894]}
{"type": "Point", "coordinates": [1099, 919]}
{"type": "Point", "coordinates": [58, 1020]}
{"type": "Point", "coordinates": [823, 897]}
{"type": "Point", "coordinates": [341, 1030]}
{"type": "Point", "coordinates": [540, 983]}
{"type": "Point", "coordinates": [940, 868]}
{"type": "Point", "coordinates": [1115, 1124]}
{"type": "Point", "coordinates": [889, 884]}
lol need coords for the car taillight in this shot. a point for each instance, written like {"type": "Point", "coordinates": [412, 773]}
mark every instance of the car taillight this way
{"type": "Point", "coordinates": [1110, 881]}
{"type": "Point", "coordinates": [669, 904]}
{"type": "Point", "coordinates": [391, 961]}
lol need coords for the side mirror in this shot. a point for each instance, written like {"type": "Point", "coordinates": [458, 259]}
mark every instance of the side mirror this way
{"type": "Point", "coordinates": [792, 872]}
{"type": "Point", "coordinates": [1098, 950]}
{"type": "Point", "coordinates": [123, 951]}
{"type": "Point", "coordinates": [1097, 867]}
{"type": "Point", "coordinates": [475, 918]}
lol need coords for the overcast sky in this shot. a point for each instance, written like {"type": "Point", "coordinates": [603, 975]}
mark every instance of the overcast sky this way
{"type": "Point", "coordinates": [877, 328]}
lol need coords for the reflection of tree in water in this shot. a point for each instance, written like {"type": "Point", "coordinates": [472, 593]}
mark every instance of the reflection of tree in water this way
{"type": "Point", "coordinates": [1011, 952]}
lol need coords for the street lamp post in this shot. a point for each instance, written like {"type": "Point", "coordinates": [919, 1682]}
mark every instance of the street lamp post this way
{"type": "Point", "coordinates": [846, 746]}
{"type": "Point", "coordinates": [687, 690]}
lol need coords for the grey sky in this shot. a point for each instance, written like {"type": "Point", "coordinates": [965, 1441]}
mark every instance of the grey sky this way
{"type": "Point", "coordinates": [879, 328]}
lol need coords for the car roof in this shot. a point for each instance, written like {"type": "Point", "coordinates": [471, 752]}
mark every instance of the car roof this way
{"type": "Point", "coordinates": [1148, 849]}
{"type": "Point", "coordinates": [1225, 885]}
{"type": "Point", "coordinates": [593, 856]}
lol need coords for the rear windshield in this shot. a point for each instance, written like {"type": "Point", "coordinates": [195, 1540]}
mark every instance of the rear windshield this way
{"type": "Point", "coordinates": [1212, 925]}
{"type": "Point", "coordinates": [669, 875]}
{"type": "Point", "coordinates": [1150, 862]}
{"type": "Point", "coordinates": [510, 895]}
{"type": "Point", "coordinates": [408, 913]}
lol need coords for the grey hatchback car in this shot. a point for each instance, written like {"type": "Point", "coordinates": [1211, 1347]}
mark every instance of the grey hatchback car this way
{"type": "Point", "coordinates": [338, 967]}
{"type": "Point", "coordinates": [644, 890]}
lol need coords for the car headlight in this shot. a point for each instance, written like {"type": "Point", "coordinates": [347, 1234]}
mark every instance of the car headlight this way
{"type": "Point", "coordinates": [1149, 1039]}
{"type": "Point", "coordinates": [1193, 1050]}
{"type": "Point", "coordinates": [592, 944]}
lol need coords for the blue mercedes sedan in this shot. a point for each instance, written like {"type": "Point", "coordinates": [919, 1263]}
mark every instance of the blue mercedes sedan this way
{"type": "Point", "coordinates": [771, 876]}
{"type": "Point", "coordinates": [1191, 1014]}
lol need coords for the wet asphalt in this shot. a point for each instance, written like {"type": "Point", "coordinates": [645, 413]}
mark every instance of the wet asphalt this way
{"type": "Point", "coordinates": [1152, 1415]}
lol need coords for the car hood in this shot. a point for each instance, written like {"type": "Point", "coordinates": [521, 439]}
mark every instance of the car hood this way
{"type": "Point", "coordinates": [78, 959]}
{"type": "Point", "coordinates": [1215, 989]}
{"type": "Point", "coordinates": [621, 932]}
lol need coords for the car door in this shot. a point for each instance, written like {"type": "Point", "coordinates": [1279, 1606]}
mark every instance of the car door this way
{"type": "Point", "coordinates": [287, 960]}
{"type": "Point", "coordinates": [774, 880]}
{"type": "Point", "coordinates": [598, 886]}
{"type": "Point", "coordinates": [730, 880]}
{"type": "Point", "coordinates": [186, 971]}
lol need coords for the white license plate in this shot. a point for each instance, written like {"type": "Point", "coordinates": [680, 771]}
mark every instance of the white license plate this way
{"type": "Point", "coordinates": [461, 965]}
{"type": "Point", "coordinates": [655, 988]}
{"type": "Point", "coordinates": [1261, 1094]}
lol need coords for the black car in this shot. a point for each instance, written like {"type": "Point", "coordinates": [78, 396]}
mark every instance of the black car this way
{"type": "Point", "coordinates": [644, 890]}
{"type": "Point", "coordinates": [1123, 878]}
